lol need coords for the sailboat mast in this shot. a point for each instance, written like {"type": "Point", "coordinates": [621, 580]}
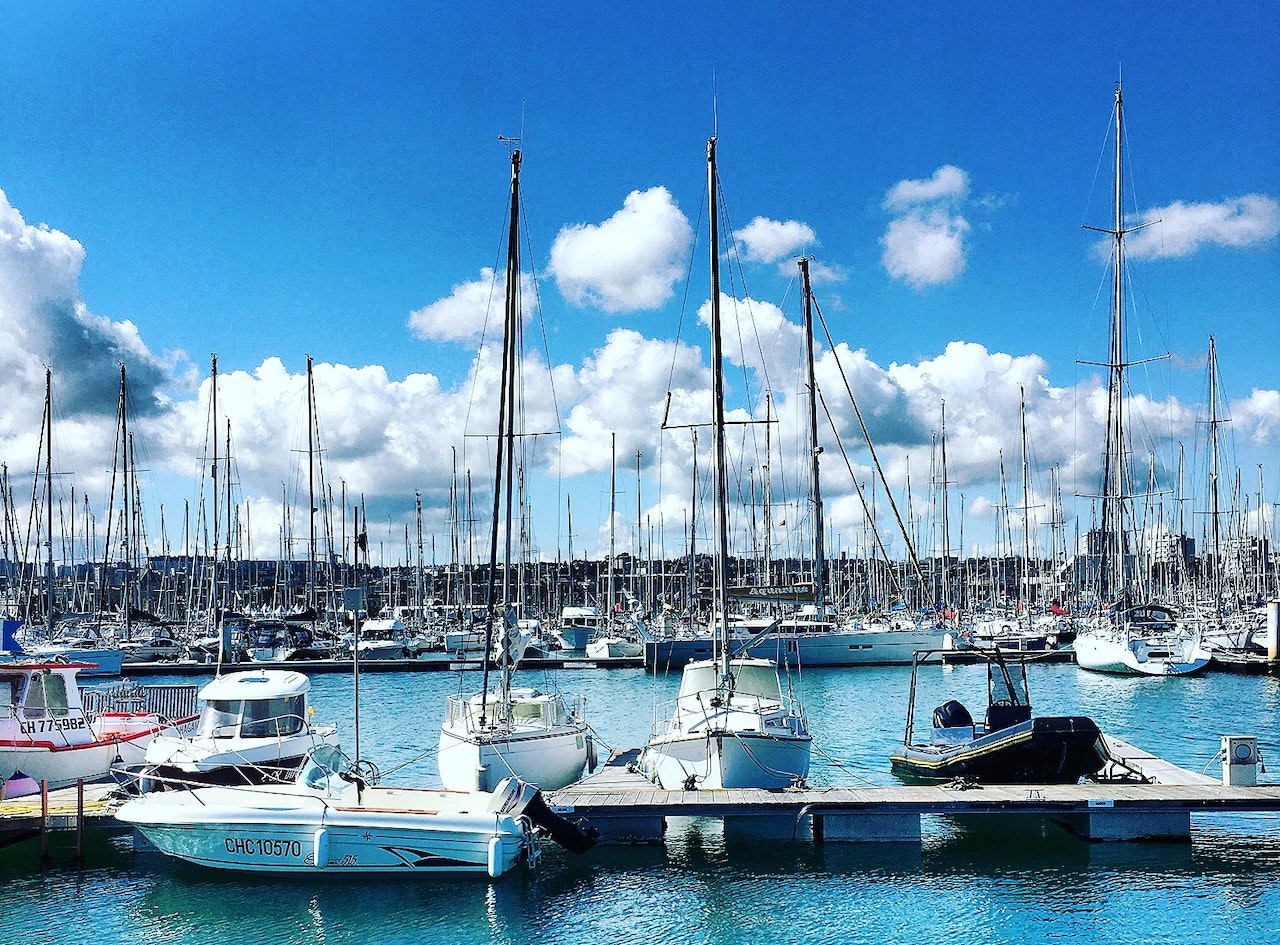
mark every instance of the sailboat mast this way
{"type": "Point", "coordinates": [311, 489]}
{"type": "Point", "coordinates": [502, 464]}
{"type": "Point", "coordinates": [613, 547]}
{"type": "Point", "coordinates": [1026, 509]}
{"type": "Point", "coordinates": [721, 571]}
{"type": "Point", "coordinates": [815, 487]}
{"type": "Point", "coordinates": [126, 508]}
{"type": "Point", "coordinates": [48, 500]}
{"type": "Point", "coordinates": [1215, 583]}
{"type": "Point", "coordinates": [1113, 500]}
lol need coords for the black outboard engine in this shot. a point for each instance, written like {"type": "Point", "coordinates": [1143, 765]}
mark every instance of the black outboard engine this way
{"type": "Point", "coordinates": [952, 714]}
{"type": "Point", "coordinates": [514, 796]}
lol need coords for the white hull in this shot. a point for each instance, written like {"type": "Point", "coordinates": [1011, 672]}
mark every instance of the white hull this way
{"type": "Point", "coordinates": [838, 647]}
{"type": "Point", "coordinates": [388, 830]}
{"type": "Point", "coordinates": [711, 761]}
{"type": "Point", "coordinates": [551, 759]}
{"type": "Point", "coordinates": [716, 737]}
{"type": "Point", "coordinates": [614, 648]}
{"type": "Point", "coordinates": [1110, 653]}
{"type": "Point", "coordinates": [66, 765]}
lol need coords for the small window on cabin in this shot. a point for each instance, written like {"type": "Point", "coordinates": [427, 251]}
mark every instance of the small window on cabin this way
{"type": "Point", "coordinates": [220, 719]}
{"type": "Point", "coordinates": [292, 714]}
{"type": "Point", "coordinates": [46, 696]}
{"type": "Point", "coordinates": [10, 694]}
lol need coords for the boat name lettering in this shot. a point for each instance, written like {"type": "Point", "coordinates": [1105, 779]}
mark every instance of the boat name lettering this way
{"type": "Point", "coordinates": [35, 726]}
{"type": "Point", "coordinates": [264, 846]}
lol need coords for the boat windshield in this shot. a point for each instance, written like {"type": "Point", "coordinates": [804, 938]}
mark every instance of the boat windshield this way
{"type": "Point", "coordinates": [323, 763]}
{"type": "Point", "coordinates": [1008, 686]}
{"type": "Point", "coordinates": [252, 718]}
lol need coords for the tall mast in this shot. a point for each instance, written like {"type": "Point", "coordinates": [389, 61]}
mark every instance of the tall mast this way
{"type": "Point", "coordinates": [946, 520]}
{"type": "Point", "coordinates": [311, 489]}
{"type": "Point", "coordinates": [1115, 494]}
{"type": "Point", "coordinates": [1215, 583]}
{"type": "Point", "coordinates": [721, 567]}
{"type": "Point", "coordinates": [48, 500]}
{"type": "Point", "coordinates": [213, 479]}
{"type": "Point", "coordinates": [502, 476]}
{"type": "Point", "coordinates": [1026, 508]}
{"type": "Point", "coordinates": [815, 487]}
{"type": "Point", "coordinates": [126, 507]}
{"type": "Point", "coordinates": [610, 590]}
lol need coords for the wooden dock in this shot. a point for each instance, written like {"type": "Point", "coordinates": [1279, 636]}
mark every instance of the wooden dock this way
{"type": "Point", "coordinates": [1145, 798]}
{"type": "Point", "coordinates": [1142, 797]}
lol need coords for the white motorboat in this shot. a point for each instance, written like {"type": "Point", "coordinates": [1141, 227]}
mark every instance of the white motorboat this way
{"type": "Point", "coordinates": [331, 818]}
{"type": "Point", "coordinates": [578, 625]}
{"type": "Point", "coordinates": [47, 735]}
{"type": "Point", "coordinates": [254, 727]}
{"type": "Point", "coordinates": [524, 733]}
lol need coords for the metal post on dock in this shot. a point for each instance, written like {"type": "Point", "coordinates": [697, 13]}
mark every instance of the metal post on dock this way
{"type": "Point", "coordinates": [44, 821]}
{"type": "Point", "coordinates": [80, 820]}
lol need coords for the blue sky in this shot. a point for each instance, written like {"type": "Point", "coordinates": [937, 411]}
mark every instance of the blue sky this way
{"type": "Point", "coordinates": [271, 180]}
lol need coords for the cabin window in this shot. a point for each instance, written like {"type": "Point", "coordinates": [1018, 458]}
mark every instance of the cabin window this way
{"type": "Point", "coordinates": [10, 694]}
{"type": "Point", "coordinates": [268, 718]}
{"type": "Point", "coordinates": [757, 681]}
{"type": "Point", "coordinates": [219, 719]}
{"type": "Point", "coordinates": [47, 696]}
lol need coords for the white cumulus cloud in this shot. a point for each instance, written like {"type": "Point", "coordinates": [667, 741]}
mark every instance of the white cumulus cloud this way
{"type": "Point", "coordinates": [630, 261]}
{"type": "Point", "coordinates": [924, 244]}
{"type": "Point", "coordinates": [1186, 227]}
{"type": "Point", "coordinates": [924, 249]}
{"type": "Point", "coordinates": [464, 314]}
{"type": "Point", "coordinates": [768, 240]}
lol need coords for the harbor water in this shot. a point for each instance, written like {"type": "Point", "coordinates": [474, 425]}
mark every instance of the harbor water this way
{"type": "Point", "coordinates": [1011, 881]}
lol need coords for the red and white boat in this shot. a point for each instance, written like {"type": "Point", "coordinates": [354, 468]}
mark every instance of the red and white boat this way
{"type": "Point", "coordinates": [46, 734]}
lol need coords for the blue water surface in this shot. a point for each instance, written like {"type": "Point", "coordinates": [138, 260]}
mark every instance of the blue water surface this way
{"type": "Point", "coordinates": [1012, 882]}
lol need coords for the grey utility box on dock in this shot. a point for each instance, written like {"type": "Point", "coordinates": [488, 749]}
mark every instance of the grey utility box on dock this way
{"type": "Point", "coordinates": [1239, 760]}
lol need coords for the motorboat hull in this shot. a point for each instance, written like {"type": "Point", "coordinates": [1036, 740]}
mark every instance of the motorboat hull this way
{"type": "Point", "coordinates": [389, 830]}
{"type": "Point", "coordinates": [856, 647]}
{"type": "Point", "coordinates": [1047, 750]}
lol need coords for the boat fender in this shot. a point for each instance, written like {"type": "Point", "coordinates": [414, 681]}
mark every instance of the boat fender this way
{"type": "Point", "coordinates": [320, 848]}
{"type": "Point", "coordinates": [495, 857]}
{"type": "Point", "coordinates": [591, 754]}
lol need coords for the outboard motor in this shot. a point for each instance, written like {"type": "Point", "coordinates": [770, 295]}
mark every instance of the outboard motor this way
{"type": "Point", "coordinates": [514, 796]}
{"type": "Point", "coordinates": [952, 714]}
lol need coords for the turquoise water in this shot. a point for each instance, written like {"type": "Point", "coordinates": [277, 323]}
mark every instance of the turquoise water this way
{"type": "Point", "coordinates": [1020, 882]}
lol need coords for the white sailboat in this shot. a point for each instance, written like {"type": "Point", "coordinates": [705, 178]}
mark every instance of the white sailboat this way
{"type": "Point", "coordinates": [1129, 634]}
{"type": "Point", "coordinates": [529, 734]}
{"type": "Point", "coordinates": [731, 725]}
